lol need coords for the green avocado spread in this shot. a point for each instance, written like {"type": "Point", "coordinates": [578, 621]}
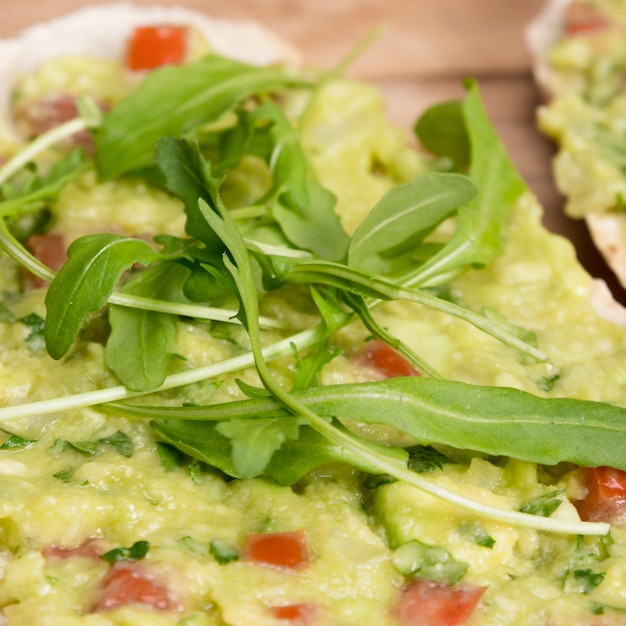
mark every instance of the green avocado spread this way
{"type": "Point", "coordinates": [295, 369]}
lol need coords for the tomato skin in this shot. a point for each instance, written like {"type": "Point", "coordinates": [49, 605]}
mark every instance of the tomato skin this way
{"type": "Point", "coordinates": [385, 360]}
{"type": "Point", "coordinates": [125, 585]}
{"type": "Point", "coordinates": [154, 46]}
{"type": "Point", "coordinates": [605, 500]}
{"type": "Point", "coordinates": [427, 603]}
{"type": "Point", "coordinates": [286, 550]}
{"type": "Point", "coordinates": [296, 614]}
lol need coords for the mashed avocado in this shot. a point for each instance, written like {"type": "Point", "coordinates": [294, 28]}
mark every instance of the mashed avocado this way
{"type": "Point", "coordinates": [585, 116]}
{"type": "Point", "coordinates": [91, 493]}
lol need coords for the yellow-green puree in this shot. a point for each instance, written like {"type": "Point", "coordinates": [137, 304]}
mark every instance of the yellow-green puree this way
{"type": "Point", "coordinates": [53, 494]}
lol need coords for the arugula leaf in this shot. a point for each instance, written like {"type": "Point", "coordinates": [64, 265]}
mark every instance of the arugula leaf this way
{"type": "Point", "coordinates": [255, 441]}
{"type": "Point", "coordinates": [476, 240]}
{"type": "Point", "coordinates": [442, 131]}
{"type": "Point", "coordinates": [302, 207]}
{"type": "Point", "coordinates": [173, 101]}
{"type": "Point", "coordinates": [293, 460]}
{"type": "Point", "coordinates": [83, 285]}
{"type": "Point", "coordinates": [36, 189]}
{"type": "Point", "coordinates": [187, 176]}
{"type": "Point", "coordinates": [403, 217]}
{"type": "Point", "coordinates": [170, 457]}
{"type": "Point", "coordinates": [141, 343]}
{"type": "Point", "coordinates": [498, 421]}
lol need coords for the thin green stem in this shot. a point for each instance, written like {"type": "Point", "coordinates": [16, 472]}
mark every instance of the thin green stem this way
{"type": "Point", "coordinates": [115, 394]}
{"type": "Point", "coordinates": [38, 145]}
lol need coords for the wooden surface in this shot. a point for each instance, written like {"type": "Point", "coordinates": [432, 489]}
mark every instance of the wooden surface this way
{"type": "Point", "coordinates": [423, 51]}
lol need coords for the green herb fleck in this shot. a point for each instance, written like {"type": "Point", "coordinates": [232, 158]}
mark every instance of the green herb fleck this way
{"type": "Point", "coordinates": [15, 442]}
{"type": "Point", "coordinates": [543, 505]}
{"type": "Point", "coordinates": [223, 552]}
{"type": "Point", "coordinates": [136, 552]}
{"type": "Point", "coordinates": [65, 474]}
{"type": "Point", "coordinates": [476, 533]}
{"type": "Point", "coordinates": [415, 558]}
{"type": "Point", "coordinates": [35, 338]}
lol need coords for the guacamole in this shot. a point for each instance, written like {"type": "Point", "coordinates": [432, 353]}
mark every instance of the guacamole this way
{"type": "Point", "coordinates": [584, 66]}
{"type": "Point", "coordinates": [177, 458]}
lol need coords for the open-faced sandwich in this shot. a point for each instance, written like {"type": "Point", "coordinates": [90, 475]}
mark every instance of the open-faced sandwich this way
{"type": "Point", "coordinates": [579, 50]}
{"type": "Point", "coordinates": [264, 363]}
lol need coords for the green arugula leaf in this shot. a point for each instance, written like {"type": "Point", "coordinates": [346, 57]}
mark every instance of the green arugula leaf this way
{"type": "Point", "coordinates": [187, 175]}
{"type": "Point", "coordinates": [302, 207]}
{"type": "Point", "coordinates": [442, 131]}
{"type": "Point", "coordinates": [292, 461]}
{"type": "Point", "coordinates": [37, 190]}
{"type": "Point", "coordinates": [498, 421]}
{"type": "Point", "coordinates": [83, 285]}
{"type": "Point", "coordinates": [255, 441]}
{"type": "Point", "coordinates": [426, 459]}
{"type": "Point", "coordinates": [403, 217]}
{"type": "Point", "coordinates": [170, 457]}
{"type": "Point", "coordinates": [174, 101]}
{"type": "Point", "coordinates": [142, 342]}
{"type": "Point", "coordinates": [477, 239]}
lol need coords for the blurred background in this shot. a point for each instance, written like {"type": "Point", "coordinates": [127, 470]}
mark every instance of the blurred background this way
{"type": "Point", "coordinates": [423, 50]}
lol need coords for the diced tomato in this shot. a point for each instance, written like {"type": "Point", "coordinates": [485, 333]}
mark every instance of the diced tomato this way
{"type": "Point", "coordinates": [296, 614]}
{"type": "Point", "coordinates": [427, 603]}
{"type": "Point", "coordinates": [383, 358]}
{"type": "Point", "coordinates": [582, 18]}
{"type": "Point", "coordinates": [39, 116]}
{"type": "Point", "coordinates": [286, 550]}
{"type": "Point", "coordinates": [605, 500]}
{"type": "Point", "coordinates": [128, 585]}
{"type": "Point", "coordinates": [92, 549]}
{"type": "Point", "coordinates": [50, 250]}
{"type": "Point", "coordinates": [154, 46]}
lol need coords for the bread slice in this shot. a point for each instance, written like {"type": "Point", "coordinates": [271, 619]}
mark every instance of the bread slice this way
{"type": "Point", "coordinates": [606, 228]}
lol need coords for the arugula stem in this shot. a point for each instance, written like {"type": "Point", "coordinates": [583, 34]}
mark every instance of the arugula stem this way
{"type": "Point", "coordinates": [38, 145]}
{"type": "Point", "coordinates": [19, 254]}
{"type": "Point", "coordinates": [241, 270]}
{"type": "Point", "coordinates": [374, 286]}
{"type": "Point", "coordinates": [395, 469]}
{"type": "Point", "coordinates": [277, 350]}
